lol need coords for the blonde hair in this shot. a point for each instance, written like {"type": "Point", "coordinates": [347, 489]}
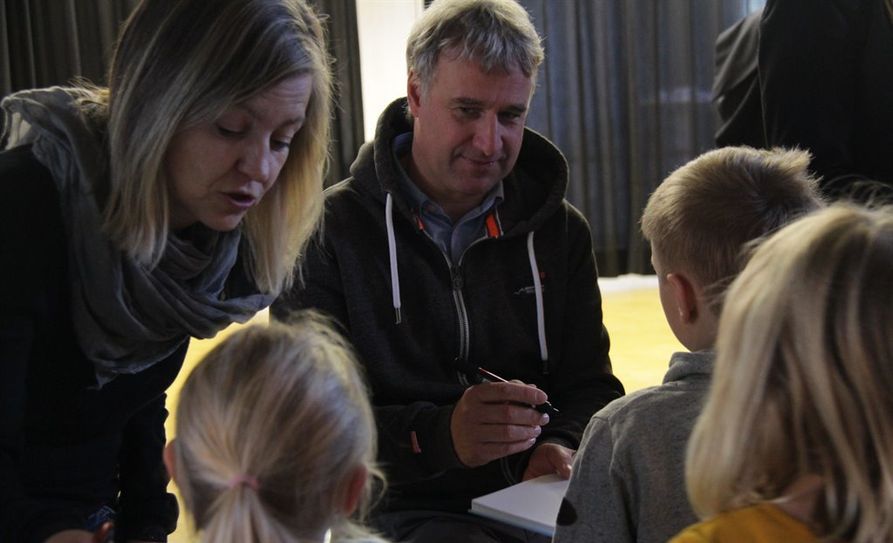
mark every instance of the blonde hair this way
{"type": "Point", "coordinates": [180, 63]}
{"type": "Point", "coordinates": [284, 406]}
{"type": "Point", "coordinates": [803, 377]}
{"type": "Point", "coordinates": [702, 216]}
{"type": "Point", "coordinates": [498, 34]}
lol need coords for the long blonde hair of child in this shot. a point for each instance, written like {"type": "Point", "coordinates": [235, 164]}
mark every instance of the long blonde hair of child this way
{"type": "Point", "coordinates": [270, 428]}
{"type": "Point", "coordinates": [803, 377]}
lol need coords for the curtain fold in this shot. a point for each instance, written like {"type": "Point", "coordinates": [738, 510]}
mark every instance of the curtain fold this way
{"type": "Point", "coordinates": [344, 45]}
{"type": "Point", "coordinates": [625, 93]}
{"type": "Point", "coordinates": [52, 42]}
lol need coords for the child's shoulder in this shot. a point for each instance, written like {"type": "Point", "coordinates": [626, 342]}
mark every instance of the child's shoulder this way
{"type": "Point", "coordinates": [685, 382]}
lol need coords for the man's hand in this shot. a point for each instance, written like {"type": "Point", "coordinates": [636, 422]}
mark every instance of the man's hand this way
{"type": "Point", "coordinates": [549, 458]}
{"type": "Point", "coordinates": [493, 420]}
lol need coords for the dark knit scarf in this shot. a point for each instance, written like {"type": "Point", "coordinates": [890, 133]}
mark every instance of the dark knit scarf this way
{"type": "Point", "coordinates": [126, 317]}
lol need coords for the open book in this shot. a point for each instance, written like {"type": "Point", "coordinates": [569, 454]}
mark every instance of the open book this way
{"type": "Point", "coordinates": [532, 505]}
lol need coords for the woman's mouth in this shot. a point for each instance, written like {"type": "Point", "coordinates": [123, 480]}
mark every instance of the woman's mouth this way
{"type": "Point", "coordinates": [241, 200]}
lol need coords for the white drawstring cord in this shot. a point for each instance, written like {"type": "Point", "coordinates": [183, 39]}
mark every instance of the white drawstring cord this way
{"type": "Point", "coordinates": [392, 254]}
{"type": "Point", "coordinates": [538, 289]}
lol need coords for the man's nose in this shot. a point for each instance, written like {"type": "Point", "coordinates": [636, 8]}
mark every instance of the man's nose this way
{"type": "Point", "coordinates": [487, 136]}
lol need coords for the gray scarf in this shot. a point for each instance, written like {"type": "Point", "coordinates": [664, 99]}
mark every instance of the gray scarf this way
{"type": "Point", "coordinates": [126, 317]}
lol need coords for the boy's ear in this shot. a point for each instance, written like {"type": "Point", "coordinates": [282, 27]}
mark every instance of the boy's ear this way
{"type": "Point", "coordinates": [684, 296]}
{"type": "Point", "coordinates": [356, 483]}
{"type": "Point", "coordinates": [169, 461]}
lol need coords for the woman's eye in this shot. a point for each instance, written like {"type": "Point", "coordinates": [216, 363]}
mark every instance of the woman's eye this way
{"type": "Point", "coordinates": [280, 145]}
{"type": "Point", "coordinates": [229, 132]}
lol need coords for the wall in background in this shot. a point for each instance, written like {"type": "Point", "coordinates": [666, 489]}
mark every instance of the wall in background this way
{"type": "Point", "coordinates": [383, 26]}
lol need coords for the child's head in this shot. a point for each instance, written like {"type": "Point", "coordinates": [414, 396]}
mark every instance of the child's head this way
{"type": "Point", "coordinates": [702, 216]}
{"type": "Point", "coordinates": [803, 376]}
{"type": "Point", "coordinates": [275, 438]}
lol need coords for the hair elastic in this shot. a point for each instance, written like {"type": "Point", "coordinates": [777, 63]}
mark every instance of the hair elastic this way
{"type": "Point", "coordinates": [242, 479]}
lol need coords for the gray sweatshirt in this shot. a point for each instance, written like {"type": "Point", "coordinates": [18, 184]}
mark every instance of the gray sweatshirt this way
{"type": "Point", "coordinates": [628, 482]}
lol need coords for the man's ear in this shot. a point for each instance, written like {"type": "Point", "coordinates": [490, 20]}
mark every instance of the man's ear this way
{"type": "Point", "coordinates": [355, 484]}
{"type": "Point", "coordinates": [169, 461]}
{"type": "Point", "coordinates": [684, 296]}
{"type": "Point", "coordinates": [413, 92]}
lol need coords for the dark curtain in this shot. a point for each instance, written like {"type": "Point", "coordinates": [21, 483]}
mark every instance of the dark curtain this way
{"type": "Point", "coordinates": [52, 42]}
{"type": "Point", "coordinates": [49, 42]}
{"type": "Point", "coordinates": [344, 45]}
{"type": "Point", "coordinates": [625, 93]}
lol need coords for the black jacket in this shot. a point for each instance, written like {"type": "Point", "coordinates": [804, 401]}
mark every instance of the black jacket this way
{"type": "Point", "coordinates": [826, 78]}
{"type": "Point", "coordinates": [480, 312]}
{"type": "Point", "coordinates": [66, 448]}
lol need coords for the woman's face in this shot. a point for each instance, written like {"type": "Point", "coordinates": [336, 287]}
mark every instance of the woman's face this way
{"type": "Point", "coordinates": [218, 170]}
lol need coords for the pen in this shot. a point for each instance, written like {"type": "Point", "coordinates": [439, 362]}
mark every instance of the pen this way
{"type": "Point", "coordinates": [542, 408]}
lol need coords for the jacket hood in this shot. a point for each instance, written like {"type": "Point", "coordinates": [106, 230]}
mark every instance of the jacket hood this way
{"type": "Point", "coordinates": [534, 189]}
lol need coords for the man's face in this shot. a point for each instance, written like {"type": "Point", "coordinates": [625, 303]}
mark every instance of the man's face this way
{"type": "Point", "coordinates": [467, 131]}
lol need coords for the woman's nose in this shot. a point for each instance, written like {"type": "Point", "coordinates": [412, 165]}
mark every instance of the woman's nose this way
{"type": "Point", "coordinates": [258, 162]}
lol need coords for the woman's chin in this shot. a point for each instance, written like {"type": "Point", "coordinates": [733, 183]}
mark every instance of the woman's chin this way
{"type": "Point", "coordinates": [224, 224]}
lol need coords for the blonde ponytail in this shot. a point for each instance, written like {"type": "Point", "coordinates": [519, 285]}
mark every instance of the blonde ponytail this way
{"type": "Point", "coordinates": [271, 427]}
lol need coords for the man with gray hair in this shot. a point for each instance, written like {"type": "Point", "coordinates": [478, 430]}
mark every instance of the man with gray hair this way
{"type": "Point", "coordinates": [451, 248]}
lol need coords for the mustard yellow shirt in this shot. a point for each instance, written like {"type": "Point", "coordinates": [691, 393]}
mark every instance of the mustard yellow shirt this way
{"type": "Point", "coordinates": [763, 523]}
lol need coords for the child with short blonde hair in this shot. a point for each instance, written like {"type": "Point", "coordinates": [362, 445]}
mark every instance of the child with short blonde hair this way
{"type": "Point", "coordinates": [275, 439]}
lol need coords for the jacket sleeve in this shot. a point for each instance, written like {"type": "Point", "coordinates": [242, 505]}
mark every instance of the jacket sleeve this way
{"type": "Point", "coordinates": [21, 518]}
{"type": "Point", "coordinates": [147, 511]}
{"type": "Point", "coordinates": [414, 440]}
{"type": "Point", "coordinates": [581, 381]}
{"type": "Point", "coordinates": [808, 64]}
{"type": "Point", "coordinates": [596, 505]}
{"type": "Point", "coordinates": [28, 235]}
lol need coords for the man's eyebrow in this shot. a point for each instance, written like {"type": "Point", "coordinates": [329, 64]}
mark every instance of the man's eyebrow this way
{"type": "Point", "coordinates": [469, 102]}
{"type": "Point", "coordinates": [515, 109]}
{"type": "Point", "coordinates": [518, 109]}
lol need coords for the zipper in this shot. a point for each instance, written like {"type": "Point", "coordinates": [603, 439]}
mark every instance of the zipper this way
{"type": "Point", "coordinates": [462, 316]}
{"type": "Point", "coordinates": [457, 284]}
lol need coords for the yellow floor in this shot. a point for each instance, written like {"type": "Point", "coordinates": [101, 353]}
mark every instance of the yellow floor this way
{"type": "Point", "coordinates": [641, 344]}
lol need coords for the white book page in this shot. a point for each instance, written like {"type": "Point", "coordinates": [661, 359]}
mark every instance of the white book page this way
{"type": "Point", "coordinates": [532, 505]}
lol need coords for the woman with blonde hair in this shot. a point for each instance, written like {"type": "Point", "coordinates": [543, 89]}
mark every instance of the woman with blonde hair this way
{"type": "Point", "coordinates": [796, 439]}
{"type": "Point", "coordinates": [275, 438]}
{"type": "Point", "coordinates": [168, 204]}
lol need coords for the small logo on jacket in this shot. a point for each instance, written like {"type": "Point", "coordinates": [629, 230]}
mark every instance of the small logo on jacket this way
{"type": "Point", "coordinates": [532, 288]}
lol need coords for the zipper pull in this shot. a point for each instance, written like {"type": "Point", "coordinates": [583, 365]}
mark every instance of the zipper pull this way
{"type": "Point", "coordinates": [456, 278]}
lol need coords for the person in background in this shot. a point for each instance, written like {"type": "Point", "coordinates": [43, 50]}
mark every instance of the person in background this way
{"type": "Point", "coordinates": [826, 86]}
{"type": "Point", "coordinates": [451, 248]}
{"type": "Point", "coordinates": [736, 85]}
{"type": "Point", "coordinates": [167, 205]}
{"type": "Point", "coordinates": [628, 478]}
{"type": "Point", "coordinates": [795, 443]}
{"type": "Point", "coordinates": [275, 438]}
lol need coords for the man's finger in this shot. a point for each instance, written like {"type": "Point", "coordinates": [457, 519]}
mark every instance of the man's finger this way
{"type": "Point", "coordinates": [511, 413]}
{"type": "Point", "coordinates": [510, 392]}
{"type": "Point", "coordinates": [508, 433]}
